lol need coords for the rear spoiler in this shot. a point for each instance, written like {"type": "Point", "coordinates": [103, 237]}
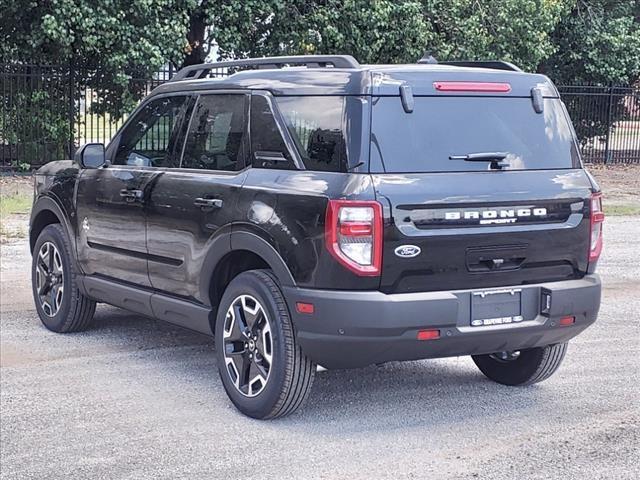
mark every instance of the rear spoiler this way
{"type": "Point", "coordinates": [493, 64]}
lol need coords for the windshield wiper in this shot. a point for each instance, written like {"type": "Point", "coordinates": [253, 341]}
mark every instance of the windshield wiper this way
{"type": "Point", "coordinates": [493, 157]}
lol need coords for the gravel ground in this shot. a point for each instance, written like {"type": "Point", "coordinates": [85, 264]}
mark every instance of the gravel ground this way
{"type": "Point", "coordinates": [134, 399]}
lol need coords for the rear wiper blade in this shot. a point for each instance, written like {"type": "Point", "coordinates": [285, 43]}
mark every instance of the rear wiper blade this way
{"type": "Point", "coordinates": [493, 157]}
{"type": "Point", "coordinates": [481, 157]}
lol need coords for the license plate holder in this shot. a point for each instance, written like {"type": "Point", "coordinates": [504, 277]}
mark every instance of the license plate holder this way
{"type": "Point", "coordinates": [496, 307]}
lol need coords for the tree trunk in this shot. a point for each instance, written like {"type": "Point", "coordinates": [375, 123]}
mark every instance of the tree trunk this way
{"type": "Point", "coordinates": [198, 44]}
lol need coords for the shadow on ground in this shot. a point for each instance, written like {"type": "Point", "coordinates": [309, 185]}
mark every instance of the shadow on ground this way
{"type": "Point", "coordinates": [375, 398]}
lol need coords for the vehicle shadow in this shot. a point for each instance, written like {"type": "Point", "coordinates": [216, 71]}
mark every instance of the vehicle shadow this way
{"type": "Point", "coordinates": [374, 399]}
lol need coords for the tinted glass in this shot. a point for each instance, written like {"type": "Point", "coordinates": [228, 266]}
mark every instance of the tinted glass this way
{"type": "Point", "coordinates": [266, 140]}
{"type": "Point", "coordinates": [147, 140]}
{"type": "Point", "coordinates": [215, 140]}
{"type": "Point", "coordinates": [315, 124]}
{"type": "Point", "coordinates": [440, 127]}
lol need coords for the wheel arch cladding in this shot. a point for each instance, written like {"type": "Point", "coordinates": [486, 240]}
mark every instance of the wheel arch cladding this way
{"type": "Point", "coordinates": [249, 252]}
{"type": "Point", "coordinates": [45, 212]}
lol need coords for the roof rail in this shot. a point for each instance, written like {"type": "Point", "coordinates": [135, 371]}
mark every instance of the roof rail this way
{"type": "Point", "coordinates": [203, 70]}
{"type": "Point", "coordinates": [494, 64]}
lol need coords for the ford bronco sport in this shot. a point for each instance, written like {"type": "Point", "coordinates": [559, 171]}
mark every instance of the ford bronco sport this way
{"type": "Point", "coordinates": [314, 211]}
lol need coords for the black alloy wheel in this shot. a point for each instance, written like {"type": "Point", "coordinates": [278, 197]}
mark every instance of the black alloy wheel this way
{"type": "Point", "coordinates": [248, 347]}
{"type": "Point", "coordinates": [263, 369]}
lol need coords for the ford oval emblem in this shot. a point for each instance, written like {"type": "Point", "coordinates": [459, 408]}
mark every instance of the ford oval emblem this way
{"type": "Point", "coordinates": [407, 251]}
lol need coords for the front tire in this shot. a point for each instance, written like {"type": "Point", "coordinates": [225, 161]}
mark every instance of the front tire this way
{"type": "Point", "coordinates": [62, 308]}
{"type": "Point", "coordinates": [525, 367]}
{"type": "Point", "coordinates": [262, 368]}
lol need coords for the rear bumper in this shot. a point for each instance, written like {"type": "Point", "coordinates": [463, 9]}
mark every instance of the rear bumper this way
{"type": "Point", "coordinates": [357, 328]}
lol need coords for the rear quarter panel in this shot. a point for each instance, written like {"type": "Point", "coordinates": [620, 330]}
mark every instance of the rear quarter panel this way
{"type": "Point", "coordinates": [288, 208]}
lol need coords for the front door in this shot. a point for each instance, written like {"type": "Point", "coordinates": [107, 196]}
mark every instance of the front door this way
{"type": "Point", "coordinates": [191, 205]}
{"type": "Point", "coordinates": [112, 201]}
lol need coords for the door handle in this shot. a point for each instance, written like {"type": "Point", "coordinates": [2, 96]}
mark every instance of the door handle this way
{"type": "Point", "coordinates": [131, 195]}
{"type": "Point", "coordinates": [208, 203]}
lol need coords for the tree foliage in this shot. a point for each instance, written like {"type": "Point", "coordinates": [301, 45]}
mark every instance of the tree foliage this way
{"type": "Point", "coordinates": [389, 31]}
{"type": "Point", "coordinates": [598, 42]}
{"type": "Point", "coordinates": [518, 31]}
{"type": "Point", "coordinates": [115, 41]}
{"type": "Point", "coordinates": [108, 42]}
{"type": "Point", "coordinates": [371, 31]}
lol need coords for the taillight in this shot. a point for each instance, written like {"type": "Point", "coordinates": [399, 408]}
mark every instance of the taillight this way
{"type": "Point", "coordinates": [353, 232]}
{"type": "Point", "coordinates": [597, 218]}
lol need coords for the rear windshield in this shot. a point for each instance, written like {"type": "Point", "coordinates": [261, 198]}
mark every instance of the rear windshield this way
{"type": "Point", "coordinates": [442, 127]}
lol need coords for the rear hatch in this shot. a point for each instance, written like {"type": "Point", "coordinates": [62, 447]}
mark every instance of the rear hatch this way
{"type": "Point", "coordinates": [481, 188]}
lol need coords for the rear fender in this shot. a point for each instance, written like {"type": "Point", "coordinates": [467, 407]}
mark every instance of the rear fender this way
{"type": "Point", "coordinates": [230, 241]}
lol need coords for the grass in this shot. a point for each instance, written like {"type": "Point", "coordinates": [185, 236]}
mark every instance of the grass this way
{"type": "Point", "coordinates": [16, 203]}
{"type": "Point", "coordinates": [13, 204]}
{"type": "Point", "coordinates": [8, 234]}
{"type": "Point", "coordinates": [621, 209]}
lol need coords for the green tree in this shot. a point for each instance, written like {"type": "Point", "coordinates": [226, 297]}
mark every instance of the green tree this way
{"type": "Point", "coordinates": [372, 31]}
{"type": "Point", "coordinates": [598, 42]}
{"type": "Point", "coordinates": [111, 43]}
{"type": "Point", "coordinates": [517, 31]}
{"type": "Point", "coordinates": [388, 31]}
{"type": "Point", "coordinates": [103, 45]}
{"type": "Point", "coordinates": [108, 43]}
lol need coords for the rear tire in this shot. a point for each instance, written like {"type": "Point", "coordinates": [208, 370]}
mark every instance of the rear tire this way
{"type": "Point", "coordinates": [526, 368]}
{"type": "Point", "coordinates": [263, 370]}
{"type": "Point", "coordinates": [61, 306]}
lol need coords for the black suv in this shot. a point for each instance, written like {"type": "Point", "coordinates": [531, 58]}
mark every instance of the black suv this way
{"type": "Point", "coordinates": [314, 211]}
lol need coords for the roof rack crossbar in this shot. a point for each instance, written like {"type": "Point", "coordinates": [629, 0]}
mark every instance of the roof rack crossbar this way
{"type": "Point", "coordinates": [203, 70]}
{"type": "Point", "coordinates": [494, 64]}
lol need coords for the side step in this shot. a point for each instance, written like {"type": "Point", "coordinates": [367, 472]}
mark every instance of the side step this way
{"type": "Point", "coordinates": [162, 307]}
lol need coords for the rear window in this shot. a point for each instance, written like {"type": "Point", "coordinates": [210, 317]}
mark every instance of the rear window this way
{"type": "Point", "coordinates": [315, 123]}
{"type": "Point", "coordinates": [441, 127]}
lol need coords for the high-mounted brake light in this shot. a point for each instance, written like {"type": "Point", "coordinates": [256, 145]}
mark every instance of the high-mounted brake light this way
{"type": "Point", "coordinates": [597, 218]}
{"type": "Point", "coordinates": [353, 234]}
{"type": "Point", "coordinates": [486, 87]}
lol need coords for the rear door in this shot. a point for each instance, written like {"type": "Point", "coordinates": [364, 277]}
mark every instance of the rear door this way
{"type": "Point", "coordinates": [190, 206]}
{"type": "Point", "coordinates": [459, 224]}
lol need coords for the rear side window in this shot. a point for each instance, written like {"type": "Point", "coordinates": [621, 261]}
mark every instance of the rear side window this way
{"type": "Point", "coordinates": [315, 123]}
{"type": "Point", "coordinates": [216, 134]}
{"type": "Point", "coordinates": [441, 127]}
{"type": "Point", "coordinates": [268, 146]}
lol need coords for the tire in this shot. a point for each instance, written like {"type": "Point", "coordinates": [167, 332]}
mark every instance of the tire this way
{"type": "Point", "coordinates": [528, 367]}
{"type": "Point", "coordinates": [61, 307]}
{"type": "Point", "coordinates": [258, 306]}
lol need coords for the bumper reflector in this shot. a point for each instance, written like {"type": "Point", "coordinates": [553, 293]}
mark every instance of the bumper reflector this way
{"type": "Point", "coordinates": [568, 320]}
{"type": "Point", "coordinates": [302, 307]}
{"type": "Point", "coordinates": [428, 334]}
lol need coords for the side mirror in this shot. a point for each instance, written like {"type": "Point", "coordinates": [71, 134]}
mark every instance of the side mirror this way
{"type": "Point", "coordinates": [91, 155]}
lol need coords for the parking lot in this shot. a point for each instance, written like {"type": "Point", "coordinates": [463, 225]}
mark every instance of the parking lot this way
{"type": "Point", "coordinates": [134, 398]}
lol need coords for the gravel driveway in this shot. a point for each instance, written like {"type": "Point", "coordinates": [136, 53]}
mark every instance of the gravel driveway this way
{"type": "Point", "coordinates": [133, 398]}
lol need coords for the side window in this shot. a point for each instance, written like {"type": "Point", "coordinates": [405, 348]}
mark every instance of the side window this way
{"type": "Point", "coordinates": [268, 147]}
{"type": "Point", "coordinates": [148, 139]}
{"type": "Point", "coordinates": [315, 123]}
{"type": "Point", "coordinates": [216, 136]}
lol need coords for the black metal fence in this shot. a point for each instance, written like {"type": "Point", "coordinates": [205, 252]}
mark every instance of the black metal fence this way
{"type": "Point", "coordinates": [607, 121]}
{"type": "Point", "coordinates": [46, 114]}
